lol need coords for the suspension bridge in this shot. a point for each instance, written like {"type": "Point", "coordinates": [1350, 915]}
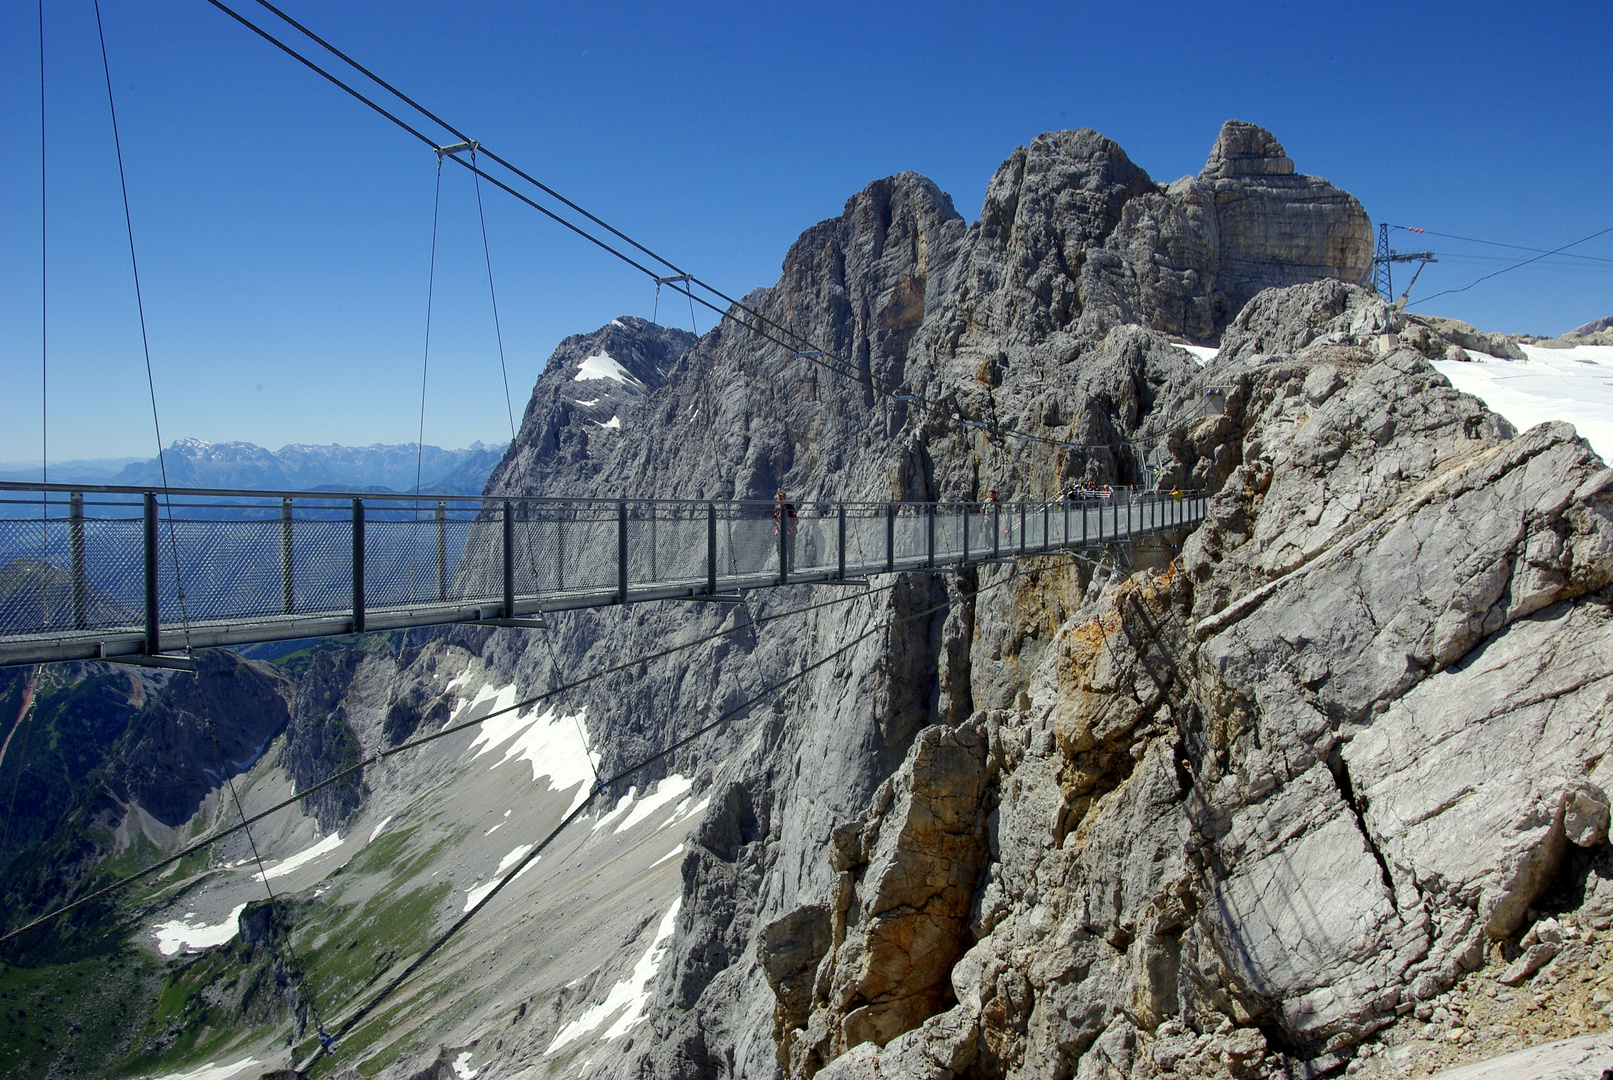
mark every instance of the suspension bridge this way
{"type": "Point", "coordinates": [147, 576]}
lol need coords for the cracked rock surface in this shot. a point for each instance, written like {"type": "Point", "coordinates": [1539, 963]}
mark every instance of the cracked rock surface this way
{"type": "Point", "coordinates": [1252, 810]}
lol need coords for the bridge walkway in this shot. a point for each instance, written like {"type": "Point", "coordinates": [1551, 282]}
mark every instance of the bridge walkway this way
{"type": "Point", "coordinates": [138, 575]}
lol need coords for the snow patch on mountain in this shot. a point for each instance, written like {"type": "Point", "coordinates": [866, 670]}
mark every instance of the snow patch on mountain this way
{"type": "Point", "coordinates": [629, 998]}
{"type": "Point", "coordinates": [303, 858]}
{"type": "Point", "coordinates": [602, 365]}
{"type": "Point", "coordinates": [1202, 354]}
{"type": "Point", "coordinates": [555, 744]}
{"type": "Point", "coordinates": [670, 789]}
{"type": "Point", "coordinates": [214, 1071]}
{"type": "Point", "coordinates": [475, 895]}
{"type": "Point", "coordinates": [177, 934]}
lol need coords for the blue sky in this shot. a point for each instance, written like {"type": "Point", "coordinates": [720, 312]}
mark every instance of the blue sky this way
{"type": "Point", "coordinates": [284, 231]}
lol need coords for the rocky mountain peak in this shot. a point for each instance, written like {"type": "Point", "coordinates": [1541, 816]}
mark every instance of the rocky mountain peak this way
{"type": "Point", "coordinates": [1245, 149]}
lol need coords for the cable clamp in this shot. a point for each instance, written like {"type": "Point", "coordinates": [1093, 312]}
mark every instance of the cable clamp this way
{"type": "Point", "coordinates": [469, 144]}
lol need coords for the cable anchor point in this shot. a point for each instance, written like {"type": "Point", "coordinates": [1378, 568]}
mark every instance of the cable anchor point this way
{"type": "Point", "coordinates": [469, 144]}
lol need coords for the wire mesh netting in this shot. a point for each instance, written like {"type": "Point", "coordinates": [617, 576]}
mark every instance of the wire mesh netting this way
{"type": "Point", "coordinates": [77, 567]}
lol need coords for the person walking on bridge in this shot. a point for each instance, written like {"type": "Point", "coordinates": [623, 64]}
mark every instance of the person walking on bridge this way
{"type": "Point", "coordinates": [784, 517]}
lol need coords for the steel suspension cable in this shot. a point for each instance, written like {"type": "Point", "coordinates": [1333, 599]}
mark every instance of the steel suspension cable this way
{"type": "Point", "coordinates": [538, 848]}
{"type": "Point", "coordinates": [425, 359]}
{"type": "Point", "coordinates": [492, 295]}
{"type": "Point", "coordinates": [173, 539]}
{"type": "Point", "coordinates": [380, 756]}
{"type": "Point", "coordinates": [44, 353]}
{"type": "Point", "coordinates": [22, 759]}
{"type": "Point", "coordinates": [756, 320]}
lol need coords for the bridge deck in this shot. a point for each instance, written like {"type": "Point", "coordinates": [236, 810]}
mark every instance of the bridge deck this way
{"type": "Point", "coordinates": [129, 574]}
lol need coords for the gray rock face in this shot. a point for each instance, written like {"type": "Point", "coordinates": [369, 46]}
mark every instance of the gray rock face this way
{"type": "Point", "coordinates": [1250, 809]}
{"type": "Point", "coordinates": [1595, 326]}
{"type": "Point", "coordinates": [1073, 232]}
{"type": "Point", "coordinates": [1021, 321]}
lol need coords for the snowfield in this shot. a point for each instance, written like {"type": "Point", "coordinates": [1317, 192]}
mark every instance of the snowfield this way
{"type": "Point", "coordinates": [1575, 385]}
{"type": "Point", "coordinates": [630, 997]}
{"type": "Point", "coordinates": [555, 745]}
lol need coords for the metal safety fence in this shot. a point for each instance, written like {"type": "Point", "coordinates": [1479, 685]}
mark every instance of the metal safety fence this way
{"type": "Point", "coordinates": [122, 573]}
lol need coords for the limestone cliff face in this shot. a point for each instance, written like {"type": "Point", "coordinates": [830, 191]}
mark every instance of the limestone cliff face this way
{"type": "Point", "coordinates": [1044, 318]}
{"type": "Point", "coordinates": [1251, 812]}
{"type": "Point", "coordinates": [1073, 232]}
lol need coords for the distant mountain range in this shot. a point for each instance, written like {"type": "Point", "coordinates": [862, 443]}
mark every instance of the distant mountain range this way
{"type": "Point", "coordinates": [297, 467]}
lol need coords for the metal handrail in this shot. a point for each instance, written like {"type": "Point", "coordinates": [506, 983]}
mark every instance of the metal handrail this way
{"type": "Point", "coordinates": [168, 493]}
{"type": "Point", "coordinates": [258, 576]}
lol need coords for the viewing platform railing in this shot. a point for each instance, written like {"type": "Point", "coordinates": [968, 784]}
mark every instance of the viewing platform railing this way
{"type": "Point", "coordinates": [104, 572]}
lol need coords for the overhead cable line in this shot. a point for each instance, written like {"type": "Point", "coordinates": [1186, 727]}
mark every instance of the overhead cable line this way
{"type": "Point", "coordinates": [382, 755]}
{"type": "Point", "coordinates": [1518, 265]}
{"type": "Point", "coordinates": [173, 537]}
{"type": "Point", "coordinates": [538, 848]}
{"type": "Point", "coordinates": [682, 281]}
{"type": "Point", "coordinates": [1497, 243]}
{"type": "Point", "coordinates": [44, 337]}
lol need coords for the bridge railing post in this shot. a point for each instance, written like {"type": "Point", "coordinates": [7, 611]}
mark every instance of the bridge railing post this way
{"type": "Point", "coordinates": [288, 594]}
{"type": "Point", "coordinates": [509, 559]}
{"type": "Point", "coordinates": [149, 532]}
{"type": "Point", "coordinates": [358, 566]}
{"type": "Point", "coordinates": [621, 552]}
{"type": "Point", "coordinates": [964, 561]}
{"type": "Point", "coordinates": [782, 517]}
{"type": "Point", "coordinates": [442, 551]}
{"type": "Point", "coordinates": [996, 529]}
{"type": "Point", "coordinates": [1022, 526]}
{"type": "Point", "coordinates": [711, 549]}
{"type": "Point", "coordinates": [1066, 542]}
{"type": "Point", "coordinates": [840, 546]}
{"type": "Point", "coordinates": [929, 535]}
{"type": "Point", "coordinates": [1047, 524]}
{"type": "Point", "coordinates": [75, 555]}
{"type": "Point", "coordinates": [560, 548]}
{"type": "Point", "coordinates": [890, 538]}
